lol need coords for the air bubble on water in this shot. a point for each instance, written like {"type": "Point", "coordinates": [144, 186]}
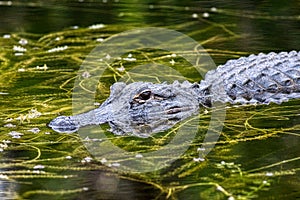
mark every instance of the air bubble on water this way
{"type": "Point", "coordinates": [201, 149]}
{"type": "Point", "coordinates": [120, 69]}
{"type": "Point", "coordinates": [2, 176]}
{"type": "Point", "coordinates": [23, 41]}
{"type": "Point", "coordinates": [205, 15]}
{"type": "Point", "coordinates": [213, 9]}
{"type": "Point", "coordinates": [9, 125]}
{"type": "Point", "coordinates": [44, 67]}
{"type": "Point", "coordinates": [6, 3]}
{"type": "Point", "coordinates": [21, 70]}
{"type": "Point", "coordinates": [108, 57]}
{"type": "Point", "coordinates": [172, 62]}
{"type": "Point", "coordinates": [56, 49]}
{"type": "Point", "coordinates": [97, 104]}
{"type": "Point", "coordinates": [38, 172]}
{"type": "Point", "coordinates": [39, 167]}
{"type": "Point", "coordinates": [100, 39]}
{"type": "Point", "coordinates": [19, 48]}
{"type": "Point", "coordinates": [86, 160]}
{"type": "Point", "coordinates": [34, 130]}
{"type": "Point", "coordinates": [139, 155]}
{"type": "Point", "coordinates": [129, 59]}
{"type": "Point", "coordinates": [9, 120]}
{"type": "Point", "coordinates": [96, 26]}
{"type": "Point", "coordinates": [199, 159]}
{"type": "Point", "coordinates": [15, 134]}
{"type": "Point", "coordinates": [220, 188]}
{"type": "Point", "coordinates": [103, 160]}
{"type": "Point", "coordinates": [195, 15]}
{"type": "Point", "coordinates": [115, 164]}
{"type": "Point", "coordinates": [6, 36]}
{"type": "Point", "coordinates": [86, 74]}
{"type": "Point", "coordinates": [269, 174]}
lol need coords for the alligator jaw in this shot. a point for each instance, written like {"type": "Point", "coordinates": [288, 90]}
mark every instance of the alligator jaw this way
{"type": "Point", "coordinates": [71, 124]}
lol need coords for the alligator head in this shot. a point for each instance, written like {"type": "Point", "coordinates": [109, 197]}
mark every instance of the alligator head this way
{"type": "Point", "coordinates": [138, 108]}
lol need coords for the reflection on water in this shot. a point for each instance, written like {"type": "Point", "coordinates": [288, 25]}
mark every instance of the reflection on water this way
{"type": "Point", "coordinates": [41, 48]}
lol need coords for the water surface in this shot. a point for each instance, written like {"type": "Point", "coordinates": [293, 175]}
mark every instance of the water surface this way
{"type": "Point", "coordinates": [256, 157]}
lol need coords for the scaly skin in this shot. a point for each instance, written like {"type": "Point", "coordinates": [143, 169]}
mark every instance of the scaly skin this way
{"type": "Point", "coordinates": [142, 109]}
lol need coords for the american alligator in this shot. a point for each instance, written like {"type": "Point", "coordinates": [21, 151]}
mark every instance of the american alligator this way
{"type": "Point", "coordinates": [143, 108]}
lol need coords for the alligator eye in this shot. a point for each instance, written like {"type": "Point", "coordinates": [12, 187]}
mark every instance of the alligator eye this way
{"type": "Point", "coordinates": [145, 95]}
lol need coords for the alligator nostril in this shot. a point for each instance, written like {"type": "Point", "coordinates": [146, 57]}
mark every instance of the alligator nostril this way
{"type": "Point", "coordinates": [174, 110]}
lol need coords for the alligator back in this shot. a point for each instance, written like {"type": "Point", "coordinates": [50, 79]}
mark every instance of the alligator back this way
{"type": "Point", "coordinates": [261, 78]}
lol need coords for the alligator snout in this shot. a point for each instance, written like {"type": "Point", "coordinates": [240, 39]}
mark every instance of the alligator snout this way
{"type": "Point", "coordinates": [64, 124]}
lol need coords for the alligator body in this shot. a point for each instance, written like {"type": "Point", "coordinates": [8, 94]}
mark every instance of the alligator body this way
{"type": "Point", "coordinates": [143, 108]}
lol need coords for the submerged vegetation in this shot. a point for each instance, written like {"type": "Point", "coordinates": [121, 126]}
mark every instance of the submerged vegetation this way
{"type": "Point", "coordinates": [256, 156]}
